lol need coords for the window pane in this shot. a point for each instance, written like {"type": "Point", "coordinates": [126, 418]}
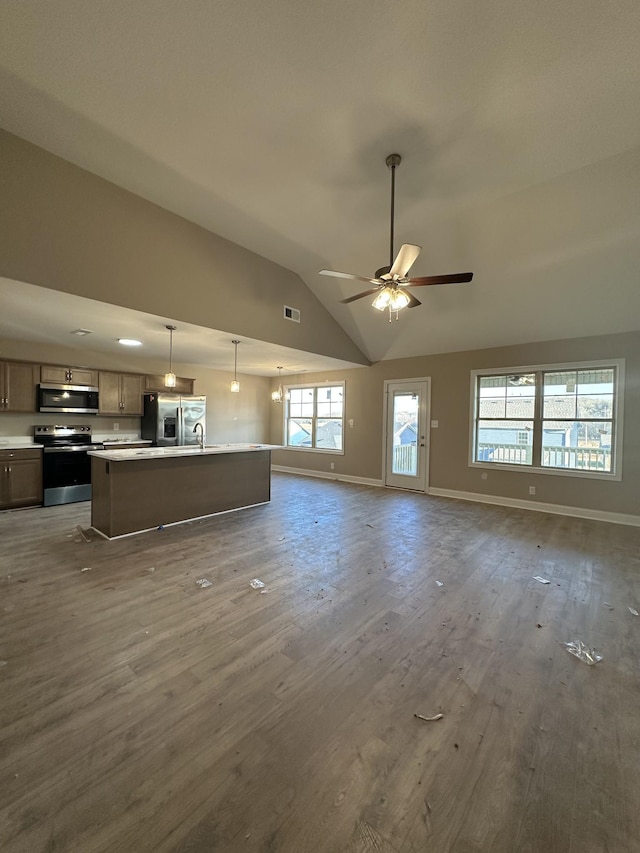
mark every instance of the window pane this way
{"type": "Point", "coordinates": [299, 432]}
{"type": "Point", "coordinates": [504, 441]}
{"type": "Point", "coordinates": [577, 445]}
{"type": "Point", "coordinates": [595, 393]}
{"type": "Point", "coordinates": [521, 394]}
{"type": "Point", "coordinates": [301, 403]}
{"type": "Point", "coordinates": [492, 396]}
{"type": "Point", "coordinates": [560, 406]}
{"type": "Point", "coordinates": [595, 406]}
{"type": "Point", "coordinates": [329, 434]}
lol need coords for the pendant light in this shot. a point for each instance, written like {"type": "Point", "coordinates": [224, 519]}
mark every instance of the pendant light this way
{"type": "Point", "coordinates": [235, 385]}
{"type": "Point", "coordinates": [170, 377]}
{"type": "Point", "coordinates": [279, 395]}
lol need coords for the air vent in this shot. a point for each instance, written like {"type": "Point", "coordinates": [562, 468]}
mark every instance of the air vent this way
{"type": "Point", "coordinates": [291, 314]}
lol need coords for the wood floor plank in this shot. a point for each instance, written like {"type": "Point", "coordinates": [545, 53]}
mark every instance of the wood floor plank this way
{"type": "Point", "coordinates": [141, 712]}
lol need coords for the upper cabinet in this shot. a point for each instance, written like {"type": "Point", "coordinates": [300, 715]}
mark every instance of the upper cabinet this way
{"type": "Point", "coordinates": [51, 373]}
{"type": "Point", "coordinates": [155, 382]}
{"type": "Point", "coordinates": [120, 393]}
{"type": "Point", "coordinates": [18, 386]}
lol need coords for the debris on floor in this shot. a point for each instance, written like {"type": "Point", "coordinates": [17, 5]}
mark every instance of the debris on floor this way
{"type": "Point", "coordinates": [203, 583]}
{"type": "Point", "coordinates": [3, 663]}
{"type": "Point", "coordinates": [633, 611]}
{"type": "Point", "coordinates": [583, 652]}
{"type": "Point", "coordinates": [540, 580]}
{"type": "Point", "coordinates": [85, 534]}
{"type": "Point", "coordinates": [429, 719]}
{"type": "Point", "coordinates": [86, 569]}
{"type": "Point", "coordinates": [439, 583]}
{"type": "Point", "coordinates": [256, 584]}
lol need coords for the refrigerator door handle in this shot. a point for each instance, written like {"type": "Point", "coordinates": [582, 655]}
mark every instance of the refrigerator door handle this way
{"type": "Point", "coordinates": [181, 440]}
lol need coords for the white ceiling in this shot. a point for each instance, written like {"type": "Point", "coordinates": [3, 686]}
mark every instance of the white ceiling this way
{"type": "Point", "coordinates": [43, 316]}
{"type": "Point", "coordinates": [269, 123]}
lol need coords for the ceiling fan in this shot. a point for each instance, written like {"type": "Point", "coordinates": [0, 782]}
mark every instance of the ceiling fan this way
{"type": "Point", "coordinates": [390, 283]}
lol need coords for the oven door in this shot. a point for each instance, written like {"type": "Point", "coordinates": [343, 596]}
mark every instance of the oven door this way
{"type": "Point", "coordinates": [66, 475]}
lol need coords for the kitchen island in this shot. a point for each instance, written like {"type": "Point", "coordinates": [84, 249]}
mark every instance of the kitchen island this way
{"type": "Point", "coordinates": [142, 489]}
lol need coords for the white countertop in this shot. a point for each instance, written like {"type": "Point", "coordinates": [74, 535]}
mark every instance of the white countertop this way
{"type": "Point", "coordinates": [140, 454]}
{"type": "Point", "coordinates": [10, 443]}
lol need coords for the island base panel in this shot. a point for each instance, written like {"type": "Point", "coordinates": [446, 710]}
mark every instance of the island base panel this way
{"type": "Point", "coordinates": [133, 495]}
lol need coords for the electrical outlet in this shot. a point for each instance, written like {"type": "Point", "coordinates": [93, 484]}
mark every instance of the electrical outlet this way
{"type": "Point", "coordinates": [434, 424]}
{"type": "Point", "coordinates": [532, 490]}
{"type": "Point", "coordinates": [116, 426]}
{"type": "Point", "coordinates": [333, 465]}
{"type": "Point", "coordinates": [484, 475]}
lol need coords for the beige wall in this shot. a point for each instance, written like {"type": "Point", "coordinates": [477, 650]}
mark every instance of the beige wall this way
{"type": "Point", "coordinates": [450, 395]}
{"type": "Point", "coordinates": [230, 417]}
{"type": "Point", "coordinates": [66, 229]}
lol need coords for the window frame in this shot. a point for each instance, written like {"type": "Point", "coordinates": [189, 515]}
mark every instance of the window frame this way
{"type": "Point", "coordinates": [618, 364]}
{"type": "Point", "coordinates": [285, 416]}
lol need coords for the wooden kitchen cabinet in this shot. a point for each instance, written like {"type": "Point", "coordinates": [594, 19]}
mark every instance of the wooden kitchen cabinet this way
{"type": "Point", "coordinates": [18, 382]}
{"type": "Point", "coordinates": [52, 373]}
{"type": "Point", "coordinates": [20, 478]}
{"type": "Point", "coordinates": [120, 393]}
{"type": "Point", "coordinates": [155, 382]}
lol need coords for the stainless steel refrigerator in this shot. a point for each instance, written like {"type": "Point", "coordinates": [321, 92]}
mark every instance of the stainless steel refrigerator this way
{"type": "Point", "coordinates": [169, 419]}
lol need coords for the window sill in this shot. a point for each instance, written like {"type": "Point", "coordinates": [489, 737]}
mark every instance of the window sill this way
{"type": "Point", "coordinates": [314, 450]}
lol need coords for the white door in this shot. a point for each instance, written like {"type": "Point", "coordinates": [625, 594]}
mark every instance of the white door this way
{"type": "Point", "coordinates": [407, 434]}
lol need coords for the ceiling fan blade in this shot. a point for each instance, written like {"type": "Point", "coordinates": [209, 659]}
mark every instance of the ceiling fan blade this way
{"type": "Point", "coordinates": [454, 278]}
{"type": "Point", "coordinates": [360, 295]}
{"type": "Point", "coordinates": [349, 275]}
{"type": "Point", "coordinates": [413, 302]}
{"type": "Point", "coordinates": [405, 259]}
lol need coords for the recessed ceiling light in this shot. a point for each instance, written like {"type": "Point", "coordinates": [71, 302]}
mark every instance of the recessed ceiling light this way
{"type": "Point", "coordinates": [81, 332]}
{"type": "Point", "coordinates": [129, 342]}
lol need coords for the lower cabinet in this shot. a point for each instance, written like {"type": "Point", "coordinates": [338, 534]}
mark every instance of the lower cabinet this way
{"type": "Point", "coordinates": [20, 478]}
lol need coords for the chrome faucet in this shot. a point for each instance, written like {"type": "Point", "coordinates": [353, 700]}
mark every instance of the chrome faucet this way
{"type": "Point", "coordinates": [201, 436]}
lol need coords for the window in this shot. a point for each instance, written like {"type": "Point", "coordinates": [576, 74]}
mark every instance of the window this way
{"type": "Point", "coordinates": [557, 419]}
{"type": "Point", "coordinates": [314, 417]}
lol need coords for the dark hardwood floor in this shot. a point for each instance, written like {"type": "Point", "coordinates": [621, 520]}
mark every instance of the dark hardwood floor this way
{"type": "Point", "coordinates": [140, 712]}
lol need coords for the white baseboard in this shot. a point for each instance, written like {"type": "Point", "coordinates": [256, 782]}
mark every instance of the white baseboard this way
{"type": "Point", "coordinates": [497, 500]}
{"type": "Point", "coordinates": [327, 475]}
{"type": "Point", "coordinates": [537, 506]}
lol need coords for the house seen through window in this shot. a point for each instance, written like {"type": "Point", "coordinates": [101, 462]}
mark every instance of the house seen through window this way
{"type": "Point", "coordinates": [556, 418]}
{"type": "Point", "coordinates": [315, 417]}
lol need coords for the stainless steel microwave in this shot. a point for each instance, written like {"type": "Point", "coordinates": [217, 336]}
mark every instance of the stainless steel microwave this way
{"type": "Point", "coordinates": [67, 399]}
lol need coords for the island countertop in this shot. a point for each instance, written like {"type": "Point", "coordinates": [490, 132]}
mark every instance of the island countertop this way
{"type": "Point", "coordinates": [140, 454]}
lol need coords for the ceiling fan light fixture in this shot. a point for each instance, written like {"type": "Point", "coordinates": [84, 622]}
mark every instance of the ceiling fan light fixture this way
{"type": "Point", "coordinates": [383, 298]}
{"type": "Point", "coordinates": [399, 300]}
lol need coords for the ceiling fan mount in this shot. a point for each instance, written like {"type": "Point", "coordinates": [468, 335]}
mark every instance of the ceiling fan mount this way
{"type": "Point", "coordinates": [390, 281]}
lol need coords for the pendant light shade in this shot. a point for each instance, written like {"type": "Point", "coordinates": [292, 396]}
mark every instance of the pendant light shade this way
{"type": "Point", "coordinates": [170, 377]}
{"type": "Point", "coordinates": [279, 395]}
{"type": "Point", "coordinates": [235, 385]}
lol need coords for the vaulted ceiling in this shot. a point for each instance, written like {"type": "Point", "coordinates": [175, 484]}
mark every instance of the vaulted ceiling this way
{"type": "Point", "coordinates": [269, 124]}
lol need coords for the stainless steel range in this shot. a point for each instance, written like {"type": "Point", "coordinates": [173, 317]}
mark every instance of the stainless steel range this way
{"type": "Point", "coordinates": [66, 467]}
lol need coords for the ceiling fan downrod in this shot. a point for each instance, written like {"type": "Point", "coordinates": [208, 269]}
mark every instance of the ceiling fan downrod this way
{"type": "Point", "coordinates": [392, 161]}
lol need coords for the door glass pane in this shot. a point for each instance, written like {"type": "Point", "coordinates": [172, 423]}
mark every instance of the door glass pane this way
{"type": "Point", "coordinates": [405, 434]}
